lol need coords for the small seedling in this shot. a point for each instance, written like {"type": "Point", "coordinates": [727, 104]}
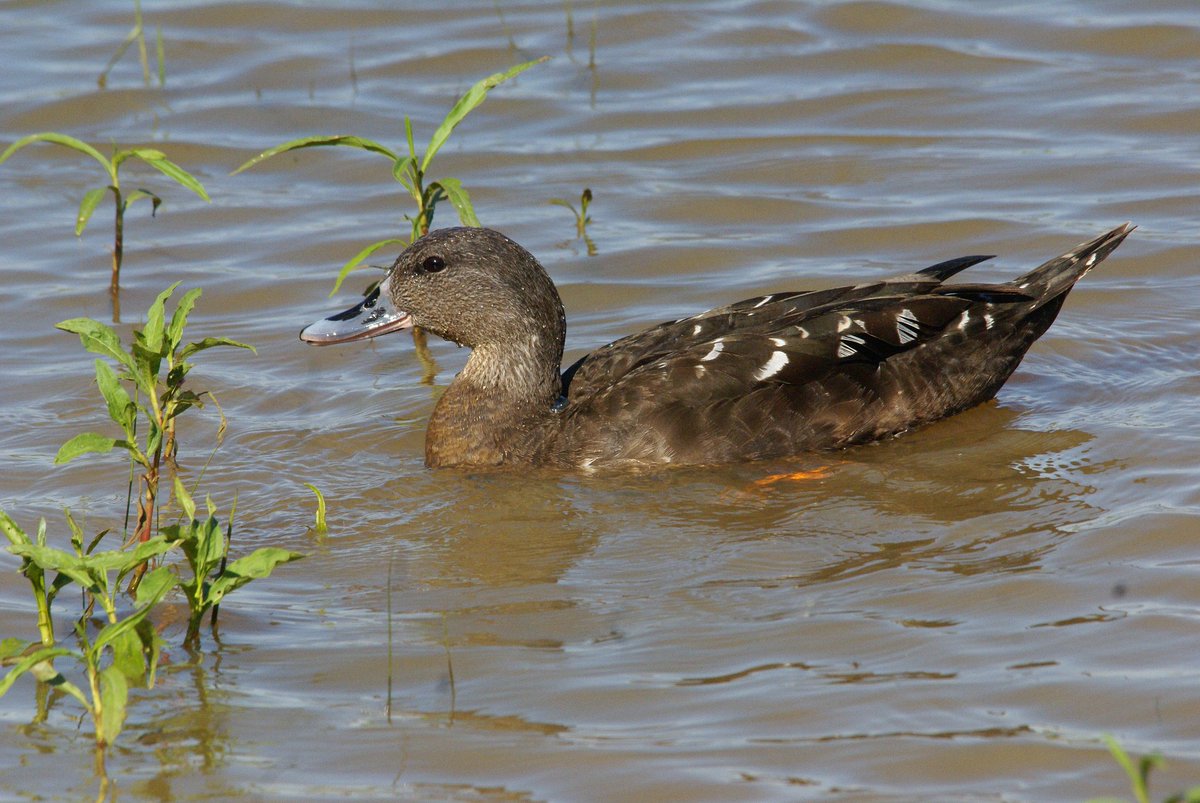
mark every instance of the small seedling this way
{"type": "Point", "coordinates": [156, 365]}
{"type": "Point", "coordinates": [411, 170]}
{"type": "Point", "coordinates": [206, 548]}
{"type": "Point", "coordinates": [1139, 776]}
{"type": "Point", "coordinates": [112, 166]}
{"type": "Point", "coordinates": [138, 34]}
{"type": "Point", "coordinates": [319, 527]}
{"type": "Point", "coordinates": [582, 218]}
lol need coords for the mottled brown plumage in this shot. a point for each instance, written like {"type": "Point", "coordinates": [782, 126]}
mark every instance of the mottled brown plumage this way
{"type": "Point", "coordinates": [765, 377]}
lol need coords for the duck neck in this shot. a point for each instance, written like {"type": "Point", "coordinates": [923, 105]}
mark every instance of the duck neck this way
{"type": "Point", "coordinates": [494, 410]}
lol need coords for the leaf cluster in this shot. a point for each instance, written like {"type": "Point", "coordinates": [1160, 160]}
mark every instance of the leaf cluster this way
{"type": "Point", "coordinates": [205, 549]}
{"type": "Point", "coordinates": [160, 400]}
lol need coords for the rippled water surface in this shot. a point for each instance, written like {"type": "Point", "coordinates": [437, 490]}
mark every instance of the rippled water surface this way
{"type": "Point", "coordinates": [959, 614]}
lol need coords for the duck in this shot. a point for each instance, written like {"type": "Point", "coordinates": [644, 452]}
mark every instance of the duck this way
{"type": "Point", "coordinates": [776, 376]}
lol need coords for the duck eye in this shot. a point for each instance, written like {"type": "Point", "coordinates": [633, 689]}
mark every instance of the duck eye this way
{"type": "Point", "coordinates": [433, 264]}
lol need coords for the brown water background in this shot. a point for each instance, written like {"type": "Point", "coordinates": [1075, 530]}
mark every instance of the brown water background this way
{"type": "Point", "coordinates": [959, 614]}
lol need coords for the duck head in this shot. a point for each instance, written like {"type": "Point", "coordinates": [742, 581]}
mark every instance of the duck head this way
{"type": "Point", "coordinates": [472, 286]}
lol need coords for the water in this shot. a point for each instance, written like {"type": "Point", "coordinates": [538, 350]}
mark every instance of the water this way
{"type": "Point", "coordinates": [959, 614]}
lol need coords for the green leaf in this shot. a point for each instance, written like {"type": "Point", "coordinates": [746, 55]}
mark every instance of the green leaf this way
{"type": "Point", "coordinates": [473, 97]}
{"type": "Point", "coordinates": [184, 499]}
{"type": "Point", "coordinates": [210, 342]}
{"type": "Point", "coordinates": [114, 695]}
{"type": "Point", "coordinates": [179, 318]}
{"type": "Point", "coordinates": [91, 199]}
{"type": "Point", "coordinates": [458, 197]}
{"type": "Point", "coordinates": [29, 662]}
{"type": "Point", "coordinates": [402, 171]}
{"type": "Point", "coordinates": [12, 530]}
{"type": "Point", "coordinates": [127, 656]}
{"type": "Point", "coordinates": [173, 171]}
{"type": "Point", "coordinates": [116, 629]}
{"type": "Point", "coordinates": [155, 585]}
{"type": "Point", "coordinates": [359, 257]}
{"type": "Point", "coordinates": [258, 564]}
{"type": "Point", "coordinates": [84, 443]}
{"type": "Point", "coordinates": [63, 562]}
{"type": "Point", "coordinates": [98, 339]}
{"type": "Point", "coordinates": [120, 407]}
{"type": "Point", "coordinates": [147, 362]}
{"type": "Point", "coordinates": [320, 527]}
{"type": "Point", "coordinates": [12, 647]}
{"type": "Point", "coordinates": [152, 333]}
{"type": "Point", "coordinates": [316, 142]}
{"type": "Point", "coordinates": [62, 139]}
{"type": "Point", "coordinates": [138, 194]}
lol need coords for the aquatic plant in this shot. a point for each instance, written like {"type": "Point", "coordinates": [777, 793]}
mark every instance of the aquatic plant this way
{"type": "Point", "coordinates": [206, 549]}
{"type": "Point", "coordinates": [412, 169]}
{"type": "Point", "coordinates": [138, 34]}
{"type": "Point", "coordinates": [116, 648]}
{"type": "Point", "coordinates": [582, 218]}
{"type": "Point", "coordinates": [124, 650]}
{"type": "Point", "coordinates": [156, 365]}
{"type": "Point", "coordinates": [1139, 776]}
{"type": "Point", "coordinates": [319, 527]}
{"type": "Point", "coordinates": [121, 199]}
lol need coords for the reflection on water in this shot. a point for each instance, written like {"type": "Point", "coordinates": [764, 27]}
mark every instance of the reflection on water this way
{"type": "Point", "coordinates": [935, 617]}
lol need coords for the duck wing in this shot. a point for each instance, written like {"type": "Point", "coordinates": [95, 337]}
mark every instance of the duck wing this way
{"type": "Point", "coordinates": [831, 369]}
{"type": "Point", "coordinates": [606, 365]}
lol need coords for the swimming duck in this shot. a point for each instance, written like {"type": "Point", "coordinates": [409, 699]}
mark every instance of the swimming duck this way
{"type": "Point", "coordinates": [767, 377]}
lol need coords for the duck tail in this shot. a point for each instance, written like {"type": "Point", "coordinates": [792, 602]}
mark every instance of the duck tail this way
{"type": "Point", "coordinates": [1054, 278]}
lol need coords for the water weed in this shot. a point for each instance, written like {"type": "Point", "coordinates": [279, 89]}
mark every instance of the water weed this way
{"type": "Point", "coordinates": [582, 218]}
{"type": "Point", "coordinates": [137, 35]}
{"type": "Point", "coordinates": [124, 650]}
{"type": "Point", "coordinates": [1139, 777]}
{"type": "Point", "coordinates": [411, 170]}
{"type": "Point", "coordinates": [121, 198]}
{"type": "Point", "coordinates": [319, 526]}
{"type": "Point", "coordinates": [156, 366]}
{"type": "Point", "coordinates": [206, 551]}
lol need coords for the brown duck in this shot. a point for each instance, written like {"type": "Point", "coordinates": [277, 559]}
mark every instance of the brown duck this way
{"type": "Point", "coordinates": [773, 376]}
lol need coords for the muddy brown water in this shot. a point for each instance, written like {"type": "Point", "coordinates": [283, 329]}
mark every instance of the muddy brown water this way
{"type": "Point", "coordinates": [959, 614]}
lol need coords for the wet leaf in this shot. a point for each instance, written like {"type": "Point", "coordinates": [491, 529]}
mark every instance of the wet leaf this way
{"type": "Point", "coordinates": [317, 142]}
{"type": "Point", "coordinates": [458, 197]}
{"type": "Point", "coordinates": [155, 585]}
{"type": "Point", "coordinates": [62, 139]}
{"type": "Point", "coordinates": [320, 526]}
{"type": "Point", "coordinates": [84, 443]}
{"type": "Point", "coordinates": [152, 332]}
{"type": "Point", "coordinates": [120, 407]}
{"type": "Point", "coordinates": [127, 656]}
{"type": "Point", "coordinates": [12, 647]}
{"type": "Point", "coordinates": [12, 531]}
{"type": "Point", "coordinates": [98, 339]}
{"type": "Point", "coordinates": [117, 629]}
{"type": "Point", "coordinates": [257, 564]}
{"type": "Point", "coordinates": [357, 259]}
{"type": "Point", "coordinates": [114, 695]}
{"type": "Point", "coordinates": [141, 193]}
{"type": "Point", "coordinates": [91, 199]}
{"type": "Point", "coordinates": [175, 172]}
{"type": "Point", "coordinates": [210, 342]}
{"type": "Point", "coordinates": [184, 499]}
{"type": "Point", "coordinates": [179, 318]}
{"type": "Point", "coordinates": [473, 97]}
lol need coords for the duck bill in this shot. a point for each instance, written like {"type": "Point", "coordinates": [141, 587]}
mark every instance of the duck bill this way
{"type": "Point", "coordinates": [373, 316]}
